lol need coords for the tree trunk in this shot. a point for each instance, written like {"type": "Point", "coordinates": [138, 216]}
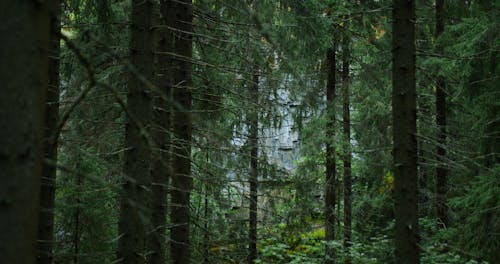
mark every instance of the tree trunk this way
{"type": "Point", "coordinates": [133, 223]}
{"type": "Point", "coordinates": [76, 218]}
{"type": "Point", "coordinates": [161, 171]}
{"type": "Point", "coordinates": [182, 182]}
{"type": "Point", "coordinates": [404, 132]}
{"type": "Point", "coordinates": [347, 138]}
{"type": "Point", "coordinates": [330, 155]}
{"type": "Point", "coordinates": [47, 192]}
{"type": "Point", "coordinates": [254, 168]}
{"type": "Point", "coordinates": [441, 169]}
{"type": "Point", "coordinates": [103, 13]}
{"type": "Point", "coordinates": [206, 235]}
{"type": "Point", "coordinates": [24, 75]}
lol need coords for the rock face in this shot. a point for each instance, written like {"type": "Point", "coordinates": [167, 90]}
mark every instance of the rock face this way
{"type": "Point", "coordinates": [281, 143]}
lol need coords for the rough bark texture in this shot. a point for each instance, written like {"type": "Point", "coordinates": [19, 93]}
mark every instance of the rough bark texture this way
{"type": "Point", "coordinates": [404, 132]}
{"type": "Point", "coordinates": [48, 183]}
{"type": "Point", "coordinates": [24, 64]}
{"type": "Point", "coordinates": [441, 169]}
{"type": "Point", "coordinates": [330, 155]}
{"type": "Point", "coordinates": [254, 169]}
{"type": "Point", "coordinates": [134, 214]}
{"type": "Point", "coordinates": [182, 181]}
{"type": "Point", "coordinates": [346, 116]}
{"type": "Point", "coordinates": [161, 171]}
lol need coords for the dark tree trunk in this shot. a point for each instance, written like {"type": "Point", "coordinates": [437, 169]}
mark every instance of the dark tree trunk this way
{"type": "Point", "coordinates": [47, 192]}
{"type": "Point", "coordinates": [330, 155]}
{"type": "Point", "coordinates": [441, 169]}
{"type": "Point", "coordinates": [103, 13]}
{"type": "Point", "coordinates": [161, 170]}
{"type": "Point", "coordinates": [404, 132]}
{"type": "Point", "coordinates": [347, 138]}
{"type": "Point", "coordinates": [338, 192]}
{"type": "Point", "coordinates": [182, 181]}
{"type": "Point", "coordinates": [206, 235]}
{"type": "Point", "coordinates": [134, 205]}
{"type": "Point", "coordinates": [24, 75]}
{"type": "Point", "coordinates": [254, 169]}
{"type": "Point", "coordinates": [76, 219]}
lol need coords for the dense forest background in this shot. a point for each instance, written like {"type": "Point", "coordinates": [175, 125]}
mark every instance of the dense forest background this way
{"type": "Point", "coordinates": [250, 131]}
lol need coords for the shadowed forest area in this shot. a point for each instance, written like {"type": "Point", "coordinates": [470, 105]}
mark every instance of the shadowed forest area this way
{"type": "Point", "coordinates": [250, 131]}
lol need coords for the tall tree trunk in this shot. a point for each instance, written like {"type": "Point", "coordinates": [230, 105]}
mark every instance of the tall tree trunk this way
{"type": "Point", "coordinates": [182, 181]}
{"type": "Point", "coordinates": [254, 168]}
{"type": "Point", "coordinates": [161, 171]}
{"type": "Point", "coordinates": [346, 116]}
{"type": "Point", "coordinates": [330, 155]}
{"type": "Point", "coordinates": [133, 223]}
{"type": "Point", "coordinates": [47, 192]}
{"type": "Point", "coordinates": [441, 169]}
{"type": "Point", "coordinates": [24, 75]}
{"type": "Point", "coordinates": [206, 235]}
{"type": "Point", "coordinates": [404, 132]}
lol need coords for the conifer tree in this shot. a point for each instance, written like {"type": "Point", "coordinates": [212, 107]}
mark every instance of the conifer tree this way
{"type": "Point", "coordinates": [24, 76]}
{"type": "Point", "coordinates": [48, 183]}
{"type": "Point", "coordinates": [134, 208]}
{"type": "Point", "coordinates": [182, 181]}
{"type": "Point", "coordinates": [404, 132]}
{"type": "Point", "coordinates": [346, 105]}
{"type": "Point", "coordinates": [441, 169]}
{"type": "Point", "coordinates": [161, 171]}
{"type": "Point", "coordinates": [330, 181]}
{"type": "Point", "coordinates": [253, 138]}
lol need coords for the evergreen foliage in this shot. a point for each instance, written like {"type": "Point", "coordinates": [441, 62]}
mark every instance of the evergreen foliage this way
{"type": "Point", "coordinates": [213, 61]}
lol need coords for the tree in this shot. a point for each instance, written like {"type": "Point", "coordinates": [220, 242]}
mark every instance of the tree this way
{"type": "Point", "coordinates": [48, 183]}
{"type": "Point", "coordinates": [253, 138]}
{"type": "Point", "coordinates": [134, 214]}
{"type": "Point", "coordinates": [330, 180]}
{"type": "Point", "coordinates": [24, 75]}
{"type": "Point", "coordinates": [235, 102]}
{"type": "Point", "coordinates": [182, 181]}
{"type": "Point", "coordinates": [161, 170]}
{"type": "Point", "coordinates": [441, 168]}
{"type": "Point", "coordinates": [404, 132]}
{"type": "Point", "coordinates": [347, 138]}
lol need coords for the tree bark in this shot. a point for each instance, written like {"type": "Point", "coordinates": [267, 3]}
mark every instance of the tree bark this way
{"type": "Point", "coordinates": [206, 234]}
{"type": "Point", "coordinates": [441, 169]}
{"type": "Point", "coordinates": [404, 132]}
{"type": "Point", "coordinates": [161, 171]}
{"type": "Point", "coordinates": [330, 155]}
{"type": "Point", "coordinates": [182, 182]}
{"type": "Point", "coordinates": [134, 208]}
{"type": "Point", "coordinates": [346, 116]}
{"type": "Point", "coordinates": [254, 168]}
{"type": "Point", "coordinates": [24, 75]}
{"type": "Point", "coordinates": [47, 192]}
